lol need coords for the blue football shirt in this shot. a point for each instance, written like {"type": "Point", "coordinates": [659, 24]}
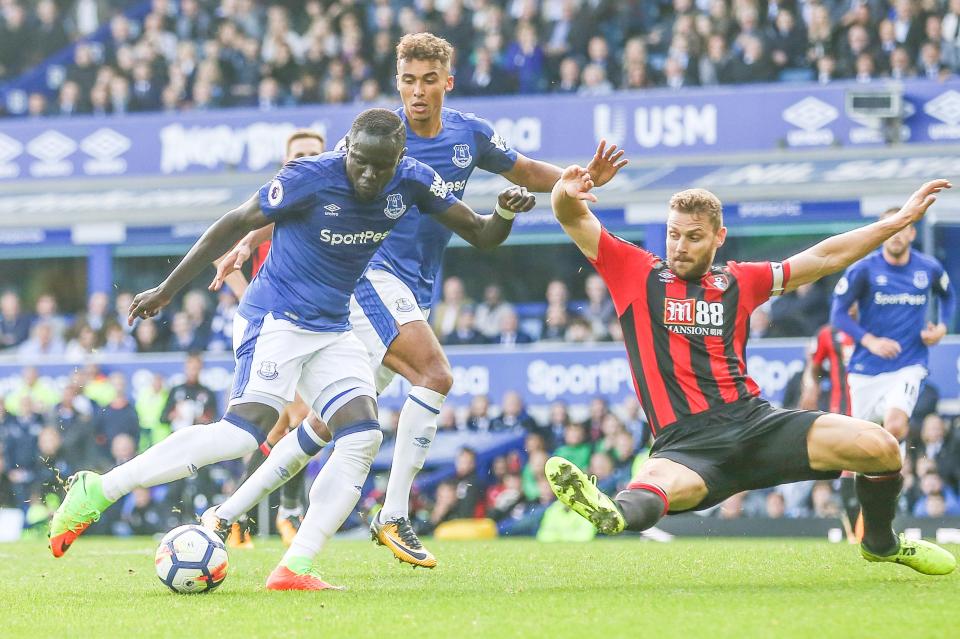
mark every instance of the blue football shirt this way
{"type": "Point", "coordinates": [414, 250]}
{"type": "Point", "coordinates": [324, 237]}
{"type": "Point", "coordinates": [892, 302]}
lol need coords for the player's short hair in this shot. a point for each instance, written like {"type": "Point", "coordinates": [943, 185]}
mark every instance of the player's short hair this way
{"type": "Point", "coordinates": [300, 134]}
{"type": "Point", "coordinates": [379, 123]}
{"type": "Point", "coordinates": [424, 46]}
{"type": "Point", "coordinates": [699, 201]}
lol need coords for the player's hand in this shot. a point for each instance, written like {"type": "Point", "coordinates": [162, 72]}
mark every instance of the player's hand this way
{"type": "Point", "coordinates": [933, 333]}
{"type": "Point", "coordinates": [921, 200]}
{"type": "Point", "coordinates": [606, 163]}
{"type": "Point", "coordinates": [881, 346]}
{"type": "Point", "coordinates": [231, 262]}
{"type": "Point", "coordinates": [147, 304]}
{"type": "Point", "coordinates": [576, 182]}
{"type": "Point", "coordinates": [516, 199]}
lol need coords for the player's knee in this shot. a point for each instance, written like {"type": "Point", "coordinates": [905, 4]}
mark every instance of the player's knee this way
{"type": "Point", "coordinates": [884, 450]}
{"type": "Point", "coordinates": [363, 446]}
{"type": "Point", "coordinates": [316, 424]}
{"type": "Point", "coordinates": [260, 415]}
{"type": "Point", "coordinates": [897, 425]}
{"type": "Point", "coordinates": [437, 377]}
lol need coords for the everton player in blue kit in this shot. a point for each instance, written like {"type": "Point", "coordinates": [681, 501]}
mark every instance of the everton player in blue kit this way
{"type": "Point", "coordinates": [393, 298]}
{"type": "Point", "coordinates": [292, 333]}
{"type": "Point", "coordinates": [892, 288]}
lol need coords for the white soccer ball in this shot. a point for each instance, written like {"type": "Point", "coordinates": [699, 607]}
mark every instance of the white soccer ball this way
{"type": "Point", "coordinates": [191, 559]}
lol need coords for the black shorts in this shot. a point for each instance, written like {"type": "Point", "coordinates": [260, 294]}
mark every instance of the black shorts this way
{"type": "Point", "coordinates": [741, 446]}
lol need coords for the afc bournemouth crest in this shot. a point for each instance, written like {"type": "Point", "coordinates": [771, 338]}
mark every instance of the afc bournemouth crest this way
{"type": "Point", "coordinates": [461, 155]}
{"type": "Point", "coordinates": [395, 206]}
{"type": "Point", "coordinates": [268, 370]}
{"type": "Point", "coordinates": [920, 279]}
{"type": "Point", "coordinates": [719, 281]}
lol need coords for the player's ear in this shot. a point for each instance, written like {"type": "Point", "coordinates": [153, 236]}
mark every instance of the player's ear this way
{"type": "Point", "coordinates": [346, 142]}
{"type": "Point", "coordinates": [721, 236]}
{"type": "Point", "coordinates": [451, 79]}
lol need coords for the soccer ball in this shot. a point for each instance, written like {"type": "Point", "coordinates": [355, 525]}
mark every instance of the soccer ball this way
{"type": "Point", "coordinates": [191, 559]}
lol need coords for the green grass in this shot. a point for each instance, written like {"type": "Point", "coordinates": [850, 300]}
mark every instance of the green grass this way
{"type": "Point", "coordinates": [508, 588]}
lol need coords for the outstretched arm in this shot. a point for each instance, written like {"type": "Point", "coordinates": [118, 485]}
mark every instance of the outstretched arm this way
{"type": "Point", "coordinates": [840, 251]}
{"type": "Point", "coordinates": [221, 235]}
{"type": "Point", "coordinates": [572, 192]}
{"type": "Point", "coordinates": [542, 176]}
{"type": "Point", "coordinates": [487, 231]}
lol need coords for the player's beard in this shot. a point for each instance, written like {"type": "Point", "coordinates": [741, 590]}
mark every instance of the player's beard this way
{"type": "Point", "coordinates": [691, 270]}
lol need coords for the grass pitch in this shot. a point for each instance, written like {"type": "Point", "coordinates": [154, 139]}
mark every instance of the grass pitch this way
{"type": "Point", "coordinates": [507, 588]}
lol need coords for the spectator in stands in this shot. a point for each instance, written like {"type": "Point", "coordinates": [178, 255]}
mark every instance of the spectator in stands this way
{"type": "Point", "coordinates": [524, 58]}
{"type": "Point", "coordinates": [43, 342]}
{"type": "Point", "coordinates": [8, 496]}
{"type": "Point", "coordinates": [715, 65]}
{"type": "Point", "coordinates": [775, 505]}
{"type": "Point", "coordinates": [932, 487]}
{"type": "Point", "coordinates": [907, 26]}
{"type": "Point", "coordinates": [610, 429]}
{"type": "Point", "coordinates": [468, 486]}
{"type": "Point", "coordinates": [81, 347]}
{"type": "Point", "coordinates": [49, 34]}
{"type": "Point", "coordinates": [221, 323]}
{"type": "Point", "coordinates": [190, 402]}
{"type": "Point", "coordinates": [825, 504]}
{"type": "Point", "coordinates": [599, 310]}
{"type": "Point", "coordinates": [594, 82]}
{"type": "Point", "coordinates": [787, 40]}
{"type": "Point", "coordinates": [555, 324]}
{"type": "Point", "coordinates": [900, 66]}
{"type": "Point", "coordinates": [16, 40]}
{"type": "Point", "coordinates": [505, 498]}
{"type": "Point", "coordinates": [184, 336]}
{"type": "Point", "coordinates": [31, 386]}
{"type": "Point", "coordinates": [569, 76]}
{"type": "Point", "coordinates": [52, 466]}
{"type": "Point", "coordinates": [443, 318]}
{"type": "Point", "coordinates": [118, 341]}
{"type": "Point", "coordinates": [531, 474]}
{"type": "Point", "coordinates": [557, 420]}
{"type": "Point", "coordinates": [866, 68]}
{"type": "Point", "coordinates": [97, 316]}
{"type": "Point", "coordinates": [602, 467]}
{"type": "Point", "coordinates": [120, 95]}
{"type": "Point", "coordinates": [465, 333]}
{"type": "Point", "coordinates": [151, 400]}
{"type": "Point", "coordinates": [447, 419]}
{"type": "Point", "coordinates": [18, 435]}
{"type": "Point", "coordinates": [799, 313]}
{"type": "Point", "coordinates": [479, 417]}
{"type": "Point", "coordinates": [445, 503]}
{"type": "Point", "coordinates": [599, 408]}
{"type": "Point", "coordinates": [576, 445]}
{"type": "Point", "coordinates": [929, 65]}
{"type": "Point", "coordinates": [950, 35]}
{"type": "Point", "coordinates": [491, 310]}
{"type": "Point", "coordinates": [510, 332]}
{"type": "Point", "coordinates": [145, 517]}
{"type": "Point", "coordinates": [753, 64]}
{"type": "Point", "coordinates": [14, 324]}
{"type": "Point", "coordinates": [514, 415]}
{"type": "Point", "coordinates": [119, 416]}
{"type": "Point", "coordinates": [74, 417]}
{"type": "Point", "coordinates": [147, 336]}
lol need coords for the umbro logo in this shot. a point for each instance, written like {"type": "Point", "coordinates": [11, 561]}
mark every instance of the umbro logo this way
{"type": "Point", "coordinates": [331, 209]}
{"type": "Point", "coordinates": [422, 442]}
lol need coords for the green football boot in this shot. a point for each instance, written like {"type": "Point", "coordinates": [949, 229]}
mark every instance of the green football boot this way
{"type": "Point", "coordinates": [922, 556]}
{"type": "Point", "coordinates": [81, 507]}
{"type": "Point", "coordinates": [580, 493]}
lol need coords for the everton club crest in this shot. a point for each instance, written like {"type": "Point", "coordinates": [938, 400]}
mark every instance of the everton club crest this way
{"type": "Point", "coordinates": [395, 206]}
{"type": "Point", "coordinates": [461, 155]}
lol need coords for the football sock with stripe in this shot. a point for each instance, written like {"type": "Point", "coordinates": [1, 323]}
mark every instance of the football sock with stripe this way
{"type": "Point", "coordinates": [181, 454]}
{"type": "Point", "coordinates": [288, 457]}
{"type": "Point", "coordinates": [642, 505]}
{"type": "Point", "coordinates": [336, 490]}
{"type": "Point", "coordinates": [878, 495]}
{"type": "Point", "coordinates": [415, 432]}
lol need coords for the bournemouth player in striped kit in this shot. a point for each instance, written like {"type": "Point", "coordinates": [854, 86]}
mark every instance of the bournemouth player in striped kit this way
{"type": "Point", "coordinates": [685, 325]}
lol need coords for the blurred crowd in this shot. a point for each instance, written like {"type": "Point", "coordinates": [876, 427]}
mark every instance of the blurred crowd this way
{"type": "Point", "coordinates": [203, 54]}
{"type": "Point", "coordinates": [96, 419]}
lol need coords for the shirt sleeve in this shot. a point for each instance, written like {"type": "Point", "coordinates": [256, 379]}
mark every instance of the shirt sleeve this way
{"type": "Point", "coordinates": [623, 266]}
{"type": "Point", "coordinates": [432, 194]}
{"type": "Point", "coordinates": [292, 191]}
{"type": "Point", "coordinates": [848, 290]}
{"type": "Point", "coordinates": [759, 281]}
{"type": "Point", "coordinates": [493, 153]}
{"type": "Point", "coordinates": [943, 288]}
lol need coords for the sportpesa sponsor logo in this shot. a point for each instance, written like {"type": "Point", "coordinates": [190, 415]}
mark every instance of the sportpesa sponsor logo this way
{"type": "Point", "coordinates": [883, 299]}
{"type": "Point", "coordinates": [363, 237]}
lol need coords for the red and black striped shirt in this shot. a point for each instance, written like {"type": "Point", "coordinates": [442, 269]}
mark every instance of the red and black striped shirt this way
{"type": "Point", "coordinates": [685, 340]}
{"type": "Point", "coordinates": [259, 257]}
{"type": "Point", "coordinates": [831, 352]}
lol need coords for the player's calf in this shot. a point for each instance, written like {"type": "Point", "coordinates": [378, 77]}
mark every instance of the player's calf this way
{"type": "Point", "coordinates": [642, 505]}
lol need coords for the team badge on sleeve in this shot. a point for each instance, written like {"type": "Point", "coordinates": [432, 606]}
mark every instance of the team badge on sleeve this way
{"type": "Point", "coordinates": [944, 281]}
{"type": "Point", "coordinates": [461, 155]}
{"type": "Point", "coordinates": [842, 286]}
{"type": "Point", "coordinates": [275, 193]}
{"type": "Point", "coordinates": [395, 206]}
{"type": "Point", "coordinates": [497, 140]}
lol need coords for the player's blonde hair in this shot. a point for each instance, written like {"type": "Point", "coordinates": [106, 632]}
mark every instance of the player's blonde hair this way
{"type": "Point", "coordinates": [424, 46]}
{"type": "Point", "coordinates": [699, 202]}
{"type": "Point", "coordinates": [300, 134]}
